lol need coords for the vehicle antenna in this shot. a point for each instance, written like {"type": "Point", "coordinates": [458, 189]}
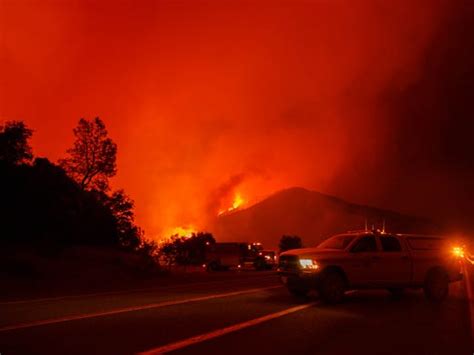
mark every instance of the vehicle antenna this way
{"type": "Point", "coordinates": [366, 228]}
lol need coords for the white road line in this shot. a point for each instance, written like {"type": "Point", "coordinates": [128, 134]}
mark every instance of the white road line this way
{"type": "Point", "coordinates": [220, 332]}
{"type": "Point", "coordinates": [132, 309]}
{"type": "Point", "coordinates": [120, 292]}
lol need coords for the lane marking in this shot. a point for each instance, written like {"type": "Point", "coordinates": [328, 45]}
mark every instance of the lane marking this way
{"type": "Point", "coordinates": [220, 332]}
{"type": "Point", "coordinates": [133, 309]}
{"type": "Point", "coordinates": [470, 300]}
{"type": "Point", "coordinates": [120, 292]}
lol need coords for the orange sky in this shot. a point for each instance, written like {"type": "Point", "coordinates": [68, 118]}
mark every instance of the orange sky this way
{"type": "Point", "coordinates": [206, 96]}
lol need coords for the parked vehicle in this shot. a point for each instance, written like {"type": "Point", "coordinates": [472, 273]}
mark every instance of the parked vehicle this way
{"type": "Point", "coordinates": [239, 255]}
{"type": "Point", "coordinates": [366, 259]}
{"type": "Point", "coordinates": [268, 260]}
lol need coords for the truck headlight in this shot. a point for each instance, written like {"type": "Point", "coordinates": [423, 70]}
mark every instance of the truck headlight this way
{"type": "Point", "coordinates": [308, 264]}
{"type": "Point", "coordinates": [458, 252]}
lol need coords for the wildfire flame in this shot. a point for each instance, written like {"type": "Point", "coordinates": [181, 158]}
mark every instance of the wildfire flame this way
{"type": "Point", "coordinates": [236, 204]}
{"type": "Point", "coordinates": [185, 232]}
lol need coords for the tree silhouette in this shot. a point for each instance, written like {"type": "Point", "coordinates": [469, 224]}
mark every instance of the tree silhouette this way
{"type": "Point", "coordinates": [92, 159]}
{"type": "Point", "coordinates": [121, 206]}
{"type": "Point", "coordinates": [14, 145]}
{"type": "Point", "coordinates": [288, 242]}
{"type": "Point", "coordinates": [44, 211]}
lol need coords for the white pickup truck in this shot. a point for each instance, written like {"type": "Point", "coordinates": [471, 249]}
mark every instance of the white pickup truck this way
{"type": "Point", "coordinates": [357, 260]}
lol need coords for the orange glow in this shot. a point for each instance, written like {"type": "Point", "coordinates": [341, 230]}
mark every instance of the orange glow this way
{"type": "Point", "coordinates": [236, 204]}
{"type": "Point", "coordinates": [185, 232]}
{"type": "Point", "coordinates": [203, 97]}
{"type": "Point", "coordinates": [238, 201]}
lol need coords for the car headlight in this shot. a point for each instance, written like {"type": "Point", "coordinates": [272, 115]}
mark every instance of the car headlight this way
{"type": "Point", "coordinates": [308, 264]}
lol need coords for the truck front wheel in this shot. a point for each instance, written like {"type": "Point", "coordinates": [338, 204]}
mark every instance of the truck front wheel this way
{"type": "Point", "coordinates": [436, 286]}
{"type": "Point", "coordinates": [332, 287]}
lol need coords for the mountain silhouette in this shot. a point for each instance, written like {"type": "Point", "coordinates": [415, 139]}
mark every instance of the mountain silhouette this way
{"type": "Point", "coordinates": [311, 215]}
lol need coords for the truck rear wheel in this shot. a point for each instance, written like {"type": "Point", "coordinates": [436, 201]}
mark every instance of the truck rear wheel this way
{"type": "Point", "coordinates": [436, 286]}
{"type": "Point", "coordinates": [332, 287]}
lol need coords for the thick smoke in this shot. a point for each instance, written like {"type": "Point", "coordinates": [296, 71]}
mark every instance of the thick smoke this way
{"type": "Point", "coordinates": [427, 165]}
{"type": "Point", "coordinates": [366, 100]}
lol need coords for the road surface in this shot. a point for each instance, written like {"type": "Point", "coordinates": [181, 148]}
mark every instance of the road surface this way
{"type": "Point", "coordinates": [235, 313]}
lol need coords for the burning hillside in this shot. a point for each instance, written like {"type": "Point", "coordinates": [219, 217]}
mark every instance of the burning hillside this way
{"type": "Point", "coordinates": [309, 214]}
{"type": "Point", "coordinates": [237, 203]}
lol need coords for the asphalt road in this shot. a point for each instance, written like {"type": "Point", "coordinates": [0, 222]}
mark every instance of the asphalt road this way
{"type": "Point", "coordinates": [235, 313]}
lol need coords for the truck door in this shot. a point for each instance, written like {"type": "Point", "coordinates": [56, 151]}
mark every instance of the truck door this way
{"type": "Point", "coordinates": [395, 265]}
{"type": "Point", "coordinates": [363, 261]}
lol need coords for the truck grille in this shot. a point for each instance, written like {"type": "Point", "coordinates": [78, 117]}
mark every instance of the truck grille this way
{"type": "Point", "coordinates": [288, 263]}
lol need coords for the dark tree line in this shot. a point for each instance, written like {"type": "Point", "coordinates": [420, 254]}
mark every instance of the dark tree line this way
{"type": "Point", "coordinates": [14, 146]}
{"type": "Point", "coordinates": [288, 242]}
{"type": "Point", "coordinates": [49, 205]}
{"type": "Point", "coordinates": [92, 159]}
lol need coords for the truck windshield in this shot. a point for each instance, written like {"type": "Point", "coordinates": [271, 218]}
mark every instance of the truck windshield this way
{"type": "Point", "coordinates": [339, 242]}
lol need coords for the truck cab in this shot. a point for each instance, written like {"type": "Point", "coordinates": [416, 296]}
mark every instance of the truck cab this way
{"type": "Point", "coordinates": [371, 259]}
